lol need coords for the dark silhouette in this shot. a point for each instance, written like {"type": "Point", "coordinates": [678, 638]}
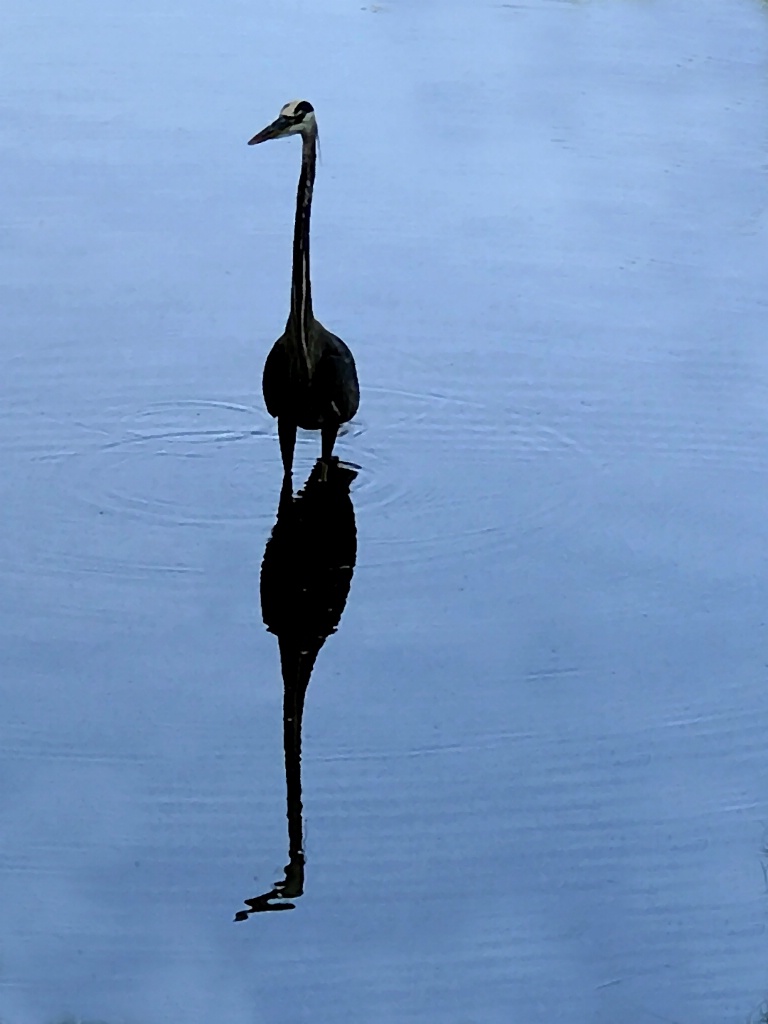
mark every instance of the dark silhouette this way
{"type": "Point", "coordinates": [310, 380]}
{"type": "Point", "coordinates": [305, 578]}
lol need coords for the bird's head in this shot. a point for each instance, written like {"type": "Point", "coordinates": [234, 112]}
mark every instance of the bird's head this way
{"type": "Point", "coordinates": [296, 118]}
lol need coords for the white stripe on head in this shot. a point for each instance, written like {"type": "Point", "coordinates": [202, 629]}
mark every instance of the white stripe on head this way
{"type": "Point", "coordinates": [304, 115]}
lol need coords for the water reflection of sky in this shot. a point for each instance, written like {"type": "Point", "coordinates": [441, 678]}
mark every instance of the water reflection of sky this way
{"type": "Point", "coordinates": [534, 758]}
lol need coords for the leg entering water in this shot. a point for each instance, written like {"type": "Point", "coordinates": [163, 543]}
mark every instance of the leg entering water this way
{"type": "Point", "coordinates": [329, 432]}
{"type": "Point", "coordinates": [286, 431]}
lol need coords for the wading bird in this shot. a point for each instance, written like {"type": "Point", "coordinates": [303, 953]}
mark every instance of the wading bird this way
{"type": "Point", "coordinates": [310, 380]}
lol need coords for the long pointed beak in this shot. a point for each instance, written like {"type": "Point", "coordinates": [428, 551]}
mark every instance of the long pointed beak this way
{"type": "Point", "coordinates": [272, 131]}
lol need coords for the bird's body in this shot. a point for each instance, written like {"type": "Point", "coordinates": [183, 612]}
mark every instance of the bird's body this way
{"type": "Point", "coordinates": [323, 398]}
{"type": "Point", "coordinates": [310, 379]}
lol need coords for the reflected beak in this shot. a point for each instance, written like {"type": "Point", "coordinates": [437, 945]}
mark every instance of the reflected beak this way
{"type": "Point", "coordinates": [272, 131]}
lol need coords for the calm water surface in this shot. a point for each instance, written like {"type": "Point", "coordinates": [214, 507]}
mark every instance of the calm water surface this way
{"type": "Point", "coordinates": [535, 773]}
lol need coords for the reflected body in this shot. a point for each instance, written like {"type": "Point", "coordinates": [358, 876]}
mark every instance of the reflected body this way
{"type": "Point", "coordinates": [306, 574]}
{"type": "Point", "coordinates": [310, 379]}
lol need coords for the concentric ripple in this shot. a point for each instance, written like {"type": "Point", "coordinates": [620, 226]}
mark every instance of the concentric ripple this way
{"type": "Point", "coordinates": [119, 493]}
{"type": "Point", "coordinates": [449, 471]}
{"type": "Point", "coordinates": [444, 470]}
{"type": "Point", "coordinates": [184, 463]}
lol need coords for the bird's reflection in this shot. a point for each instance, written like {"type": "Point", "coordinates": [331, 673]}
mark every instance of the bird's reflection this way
{"type": "Point", "coordinates": [305, 578]}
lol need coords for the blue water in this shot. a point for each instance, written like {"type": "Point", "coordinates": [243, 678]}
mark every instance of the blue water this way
{"type": "Point", "coordinates": [534, 769]}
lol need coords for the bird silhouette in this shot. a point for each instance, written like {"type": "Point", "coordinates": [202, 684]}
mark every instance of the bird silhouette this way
{"type": "Point", "coordinates": [310, 379]}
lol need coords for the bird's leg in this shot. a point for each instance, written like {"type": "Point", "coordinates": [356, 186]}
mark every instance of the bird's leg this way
{"type": "Point", "coordinates": [329, 432]}
{"type": "Point", "coordinates": [286, 431]}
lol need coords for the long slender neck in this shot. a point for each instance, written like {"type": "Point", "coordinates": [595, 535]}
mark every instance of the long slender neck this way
{"type": "Point", "coordinates": [301, 288]}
